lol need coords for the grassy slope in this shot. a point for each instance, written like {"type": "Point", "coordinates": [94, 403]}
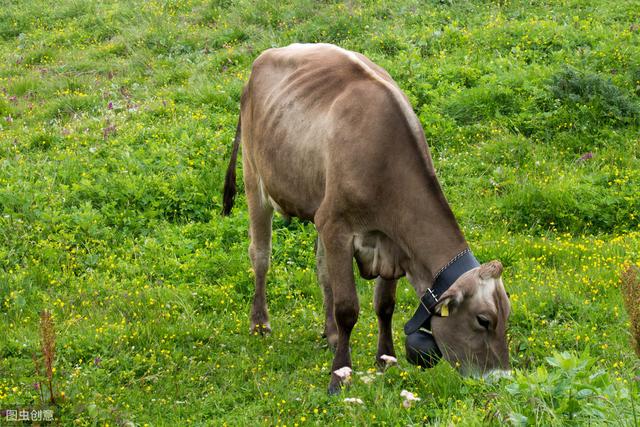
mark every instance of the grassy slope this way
{"type": "Point", "coordinates": [116, 125]}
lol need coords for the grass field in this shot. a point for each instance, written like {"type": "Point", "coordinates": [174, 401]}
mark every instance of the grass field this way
{"type": "Point", "coordinates": [116, 123]}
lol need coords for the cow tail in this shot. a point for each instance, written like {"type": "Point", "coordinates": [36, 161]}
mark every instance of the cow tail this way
{"type": "Point", "coordinates": [230, 178]}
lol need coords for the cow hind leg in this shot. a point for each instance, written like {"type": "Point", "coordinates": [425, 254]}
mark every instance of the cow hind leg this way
{"type": "Point", "coordinates": [260, 216]}
{"type": "Point", "coordinates": [338, 247]}
{"type": "Point", "coordinates": [330, 327]}
{"type": "Point", "coordinates": [384, 302]}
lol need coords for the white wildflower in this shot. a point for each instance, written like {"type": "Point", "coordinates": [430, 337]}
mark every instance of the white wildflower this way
{"type": "Point", "coordinates": [367, 379]}
{"type": "Point", "coordinates": [344, 373]}
{"type": "Point", "coordinates": [354, 400]}
{"type": "Point", "coordinates": [409, 398]}
{"type": "Point", "coordinates": [389, 360]}
{"type": "Point", "coordinates": [408, 395]}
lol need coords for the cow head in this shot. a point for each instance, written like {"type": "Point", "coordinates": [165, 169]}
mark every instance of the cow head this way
{"type": "Point", "coordinates": [471, 328]}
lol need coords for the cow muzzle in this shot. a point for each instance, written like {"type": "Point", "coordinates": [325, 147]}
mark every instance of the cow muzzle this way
{"type": "Point", "coordinates": [422, 349]}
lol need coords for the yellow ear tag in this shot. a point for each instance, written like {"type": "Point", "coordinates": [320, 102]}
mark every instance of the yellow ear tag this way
{"type": "Point", "coordinates": [444, 310]}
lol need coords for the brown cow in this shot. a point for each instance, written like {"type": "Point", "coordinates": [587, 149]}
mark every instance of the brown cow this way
{"type": "Point", "coordinates": [328, 136]}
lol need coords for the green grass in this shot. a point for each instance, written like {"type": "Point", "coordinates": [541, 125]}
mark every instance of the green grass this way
{"type": "Point", "coordinates": [116, 122]}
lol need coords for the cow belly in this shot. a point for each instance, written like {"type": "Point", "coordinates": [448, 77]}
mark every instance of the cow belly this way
{"type": "Point", "coordinates": [286, 202]}
{"type": "Point", "coordinates": [290, 168]}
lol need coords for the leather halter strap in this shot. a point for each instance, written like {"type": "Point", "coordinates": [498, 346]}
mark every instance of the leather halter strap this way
{"type": "Point", "coordinates": [443, 280]}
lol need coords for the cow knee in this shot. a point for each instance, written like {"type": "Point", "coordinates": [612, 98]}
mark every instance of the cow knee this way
{"type": "Point", "coordinates": [384, 299]}
{"type": "Point", "coordinates": [346, 315]}
{"type": "Point", "coordinates": [385, 309]}
{"type": "Point", "coordinates": [259, 257]}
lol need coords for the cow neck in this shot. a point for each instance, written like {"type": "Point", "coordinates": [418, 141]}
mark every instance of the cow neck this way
{"type": "Point", "coordinates": [437, 250]}
{"type": "Point", "coordinates": [425, 227]}
{"type": "Point", "coordinates": [431, 237]}
{"type": "Point", "coordinates": [439, 254]}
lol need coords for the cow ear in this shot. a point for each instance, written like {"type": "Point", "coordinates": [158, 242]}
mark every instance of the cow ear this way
{"type": "Point", "coordinates": [449, 301]}
{"type": "Point", "coordinates": [454, 296]}
{"type": "Point", "coordinates": [492, 269]}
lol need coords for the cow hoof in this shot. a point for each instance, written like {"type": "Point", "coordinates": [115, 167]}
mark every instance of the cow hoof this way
{"type": "Point", "coordinates": [334, 388]}
{"type": "Point", "coordinates": [260, 329]}
{"type": "Point", "coordinates": [383, 364]}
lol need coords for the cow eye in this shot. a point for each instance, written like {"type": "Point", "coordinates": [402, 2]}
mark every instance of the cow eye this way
{"type": "Point", "coordinates": [484, 322]}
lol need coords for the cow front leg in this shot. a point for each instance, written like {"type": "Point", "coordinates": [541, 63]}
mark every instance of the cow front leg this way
{"type": "Point", "coordinates": [330, 327]}
{"type": "Point", "coordinates": [384, 302]}
{"type": "Point", "coordinates": [260, 216]}
{"type": "Point", "coordinates": [338, 245]}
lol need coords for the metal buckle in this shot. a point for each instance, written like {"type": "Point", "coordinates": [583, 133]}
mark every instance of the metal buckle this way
{"type": "Point", "coordinates": [433, 295]}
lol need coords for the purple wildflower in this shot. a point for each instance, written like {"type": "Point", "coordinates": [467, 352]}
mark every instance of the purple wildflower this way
{"type": "Point", "coordinates": [585, 157]}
